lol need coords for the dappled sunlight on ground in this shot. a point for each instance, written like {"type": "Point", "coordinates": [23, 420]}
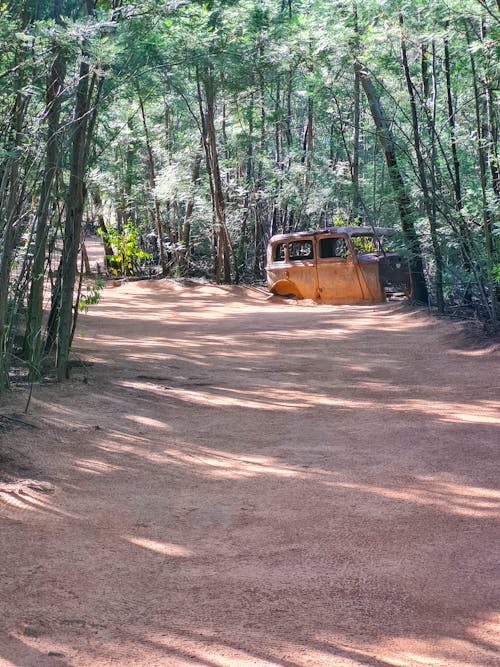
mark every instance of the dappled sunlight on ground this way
{"type": "Point", "coordinates": [235, 481]}
{"type": "Point", "coordinates": [159, 547]}
{"type": "Point", "coordinates": [96, 466]}
{"type": "Point", "coordinates": [16, 503]}
{"type": "Point", "coordinates": [220, 464]}
{"type": "Point", "coordinates": [479, 412]}
{"type": "Point", "coordinates": [271, 397]}
{"type": "Point", "coordinates": [146, 421]}
{"type": "Point", "coordinates": [453, 498]}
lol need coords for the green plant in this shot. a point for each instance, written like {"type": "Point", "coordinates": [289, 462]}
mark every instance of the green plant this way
{"type": "Point", "coordinates": [496, 272]}
{"type": "Point", "coordinates": [128, 250]}
{"type": "Point", "coordinates": [92, 295]}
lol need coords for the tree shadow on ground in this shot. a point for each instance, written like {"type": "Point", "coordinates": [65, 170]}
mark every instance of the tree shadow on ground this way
{"type": "Point", "coordinates": [279, 486]}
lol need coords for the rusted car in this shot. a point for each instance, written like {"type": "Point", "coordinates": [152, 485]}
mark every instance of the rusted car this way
{"type": "Point", "coordinates": [337, 265]}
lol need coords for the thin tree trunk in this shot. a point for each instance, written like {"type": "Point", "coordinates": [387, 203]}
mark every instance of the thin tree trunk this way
{"type": "Point", "coordinates": [451, 124]}
{"type": "Point", "coordinates": [223, 246]}
{"type": "Point", "coordinates": [418, 287]}
{"type": "Point", "coordinates": [436, 245]}
{"type": "Point", "coordinates": [483, 162]}
{"type": "Point", "coordinates": [417, 144]}
{"type": "Point", "coordinates": [74, 215]}
{"type": "Point", "coordinates": [85, 259]}
{"type": "Point", "coordinates": [278, 164]}
{"type": "Point", "coordinates": [492, 103]}
{"type": "Point", "coordinates": [356, 199]}
{"type": "Point", "coordinates": [424, 65]}
{"type": "Point", "coordinates": [206, 149]}
{"type": "Point", "coordinates": [260, 204]}
{"type": "Point", "coordinates": [464, 232]}
{"type": "Point", "coordinates": [152, 184]}
{"type": "Point", "coordinates": [186, 227]}
{"type": "Point", "coordinates": [55, 85]}
{"type": "Point", "coordinates": [308, 141]}
{"type": "Point", "coordinates": [11, 217]}
{"type": "Point", "coordinates": [249, 188]}
{"type": "Point", "coordinates": [101, 225]}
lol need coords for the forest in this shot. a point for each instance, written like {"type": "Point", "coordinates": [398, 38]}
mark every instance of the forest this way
{"type": "Point", "coordinates": [186, 133]}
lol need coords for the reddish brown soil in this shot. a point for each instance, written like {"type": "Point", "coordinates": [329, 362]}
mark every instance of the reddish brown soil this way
{"type": "Point", "coordinates": [239, 482]}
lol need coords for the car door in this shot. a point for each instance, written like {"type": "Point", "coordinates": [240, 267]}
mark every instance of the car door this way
{"type": "Point", "coordinates": [337, 270]}
{"type": "Point", "coordinates": [301, 266]}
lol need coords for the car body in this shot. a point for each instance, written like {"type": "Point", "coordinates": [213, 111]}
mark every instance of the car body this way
{"type": "Point", "coordinates": [336, 265]}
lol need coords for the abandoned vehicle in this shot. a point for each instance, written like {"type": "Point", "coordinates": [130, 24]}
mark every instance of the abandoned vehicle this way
{"type": "Point", "coordinates": [337, 265]}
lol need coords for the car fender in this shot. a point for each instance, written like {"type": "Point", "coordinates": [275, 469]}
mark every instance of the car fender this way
{"type": "Point", "coordinates": [285, 288]}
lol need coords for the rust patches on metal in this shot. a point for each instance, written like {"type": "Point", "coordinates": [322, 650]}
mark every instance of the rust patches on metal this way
{"type": "Point", "coordinates": [337, 265]}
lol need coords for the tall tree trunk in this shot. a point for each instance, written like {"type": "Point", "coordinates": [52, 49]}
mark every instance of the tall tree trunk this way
{"type": "Point", "coordinates": [482, 154]}
{"type": "Point", "coordinates": [287, 130]}
{"type": "Point", "coordinates": [492, 104]}
{"type": "Point", "coordinates": [356, 198]}
{"type": "Point", "coordinates": [208, 164]}
{"type": "Point", "coordinates": [418, 287]}
{"type": "Point", "coordinates": [259, 208]}
{"type": "Point", "coordinates": [417, 145]}
{"type": "Point", "coordinates": [451, 124]}
{"type": "Point", "coordinates": [55, 85]}
{"type": "Point", "coordinates": [223, 244]}
{"type": "Point", "coordinates": [490, 132]}
{"type": "Point", "coordinates": [308, 141]}
{"type": "Point", "coordinates": [74, 215]}
{"type": "Point", "coordinates": [278, 163]}
{"type": "Point", "coordinates": [101, 225]}
{"type": "Point", "coordinates": [465, 239]}
{"type": "Point", "coordinates": [186, 227]}
{"type": "Point", "coordinates": [10, 216]}
{"type": "Point", "coordinates": [249, 186]}
{"type": "Point", "coordinates": [424, 66]}
{"type": "Point", "coordinates": [152, 185]}
{"type": "Point", "coordinates": [436, 243]}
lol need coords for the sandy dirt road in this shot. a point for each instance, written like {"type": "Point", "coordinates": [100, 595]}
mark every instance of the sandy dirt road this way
{"type": "Point", "coordinates": [242, 482]}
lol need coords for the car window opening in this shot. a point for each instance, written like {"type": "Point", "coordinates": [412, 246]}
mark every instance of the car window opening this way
{"type": "Point", "coordinates": [298, 250]}
{"type": "Point", "coordinates": [333, 247]}
{"type": "Point", "coordinates": [279, 253]}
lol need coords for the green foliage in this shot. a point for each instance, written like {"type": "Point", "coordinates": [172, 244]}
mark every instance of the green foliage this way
{"type": "Point", "coordinates": [92, 295]}
{"type": "Point", "coordinates": [127, 250]}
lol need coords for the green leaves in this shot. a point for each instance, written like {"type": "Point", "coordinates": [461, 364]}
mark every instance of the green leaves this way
{"type": "Point", "coordinates": [92, 295]}
{"type": "Point", "coordinates": [127, 250]}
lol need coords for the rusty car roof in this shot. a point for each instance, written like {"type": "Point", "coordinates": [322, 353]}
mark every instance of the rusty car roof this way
{"type": "Point", "coordinates": [348, 231]}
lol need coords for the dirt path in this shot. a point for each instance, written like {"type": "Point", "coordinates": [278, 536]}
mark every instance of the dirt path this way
{"type": "Point", "coordinates": [238, 482]}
